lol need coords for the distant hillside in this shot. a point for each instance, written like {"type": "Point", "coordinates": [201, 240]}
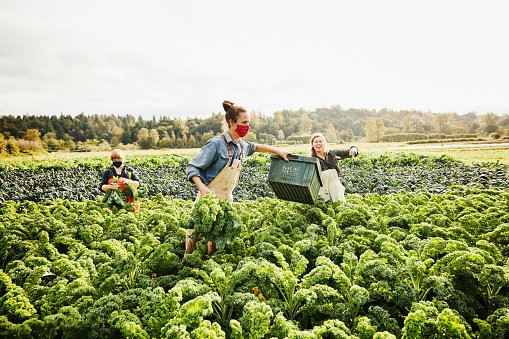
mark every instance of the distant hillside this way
{"type": "Point", "coordinates": [337, 124]}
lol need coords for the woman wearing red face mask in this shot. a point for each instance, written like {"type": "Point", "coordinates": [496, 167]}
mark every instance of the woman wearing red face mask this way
{"type": "Point", "coordinates": [217, 166]}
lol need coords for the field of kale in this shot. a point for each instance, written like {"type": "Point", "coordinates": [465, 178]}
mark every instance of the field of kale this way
{"type": "Point", "coordinates": [78, 179]}
{"type": "Point", "coordinates": [420, 249]}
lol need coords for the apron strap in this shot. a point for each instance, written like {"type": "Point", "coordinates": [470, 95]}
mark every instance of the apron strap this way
{"type": "Point", "coordinates": [230, 151]}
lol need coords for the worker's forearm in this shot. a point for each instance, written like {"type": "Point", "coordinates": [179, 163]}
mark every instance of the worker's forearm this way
{"type": "Point", "coordinates": [200, 185]}
{"type": "Point", "coordinates": [265, 148]}
{"type": "Point", "coordinates": [197, 181]}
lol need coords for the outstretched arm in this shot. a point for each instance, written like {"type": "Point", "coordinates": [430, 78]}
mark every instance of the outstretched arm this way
{"type": "Point", "coordinates": [268, 149]}
{"type": "Point", "coordinates": [346, 152]}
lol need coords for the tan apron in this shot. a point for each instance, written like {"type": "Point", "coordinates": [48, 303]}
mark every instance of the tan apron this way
{"type": "Point", "coordinates": [222, 187]}
{"type": "Point", "coordinates": [331, 189]}
{"type": "Point", "coordinates": [225, 182]}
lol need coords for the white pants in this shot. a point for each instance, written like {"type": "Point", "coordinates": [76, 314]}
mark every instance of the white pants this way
{"type": "Point", "coordinates": [331, 189]}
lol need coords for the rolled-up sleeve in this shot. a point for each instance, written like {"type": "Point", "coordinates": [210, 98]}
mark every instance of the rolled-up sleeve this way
{"type": "Point", "coordinates": [202, 160]}
{"type": "Point", "coordinates": [251, 148]}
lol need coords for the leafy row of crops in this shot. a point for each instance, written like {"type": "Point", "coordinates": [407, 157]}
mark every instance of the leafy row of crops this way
{"type": "Point", "coordinates": [79, 179]}
{"type": "Point", "coordinates": [421, 251]}
{"type": "Point", "coordinates": [405, 264]}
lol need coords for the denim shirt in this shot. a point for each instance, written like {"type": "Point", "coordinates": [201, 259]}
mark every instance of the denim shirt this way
{"type": "Point", "coordinates": [214, 155]}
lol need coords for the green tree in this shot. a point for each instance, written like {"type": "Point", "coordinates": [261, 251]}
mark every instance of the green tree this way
{"type": "Point", "coordinates": [374, 129]}
{"type": "Point", "coordinates": [142, 138]}
{"type": "Point", "coordinates": [412, 124]}
{"type": "Point", "coordinates": [3, 145]}
{"type": "Point", "coordinates": [305, 124]}
{"type": "Point", "coordinates": [444, 122]}
{"type": "Point", "coordinates": [153, 138]}
{"type": "Point", "coordinates": [206, 136]}
{"type": "Point", "coordinates": [116, 135]}
{"type": "Point", "coordinates": [487, 124]}
{"type": "Point", "coordinates": [191, 141]}
{"type": "Point", "coordinates": [280, 135]}
{"type": "Point", "coordinates": [279, 119]}
{"type": "Point", "coordinates": [32, 134]}
{"type": "Point", "coordinates": [180, 128]}
{"type": "Point", "coordinates": [346, 135]}
{"type": "Point", "coordinates": [331, 134]}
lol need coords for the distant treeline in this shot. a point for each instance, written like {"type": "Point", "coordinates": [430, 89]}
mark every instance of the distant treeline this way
{"type": "Point", "coordinates": [84, 132]}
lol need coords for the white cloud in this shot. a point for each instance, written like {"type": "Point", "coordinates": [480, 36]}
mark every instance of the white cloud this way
{"type": "Point", "coordinates": [184, 58]}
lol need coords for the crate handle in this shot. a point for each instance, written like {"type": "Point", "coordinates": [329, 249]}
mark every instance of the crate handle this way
{"type": "Point", "coordinates": [288, 156]}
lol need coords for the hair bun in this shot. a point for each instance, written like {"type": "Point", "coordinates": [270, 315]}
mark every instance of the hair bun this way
{"type": "Point", "coordinates": [227, 104]}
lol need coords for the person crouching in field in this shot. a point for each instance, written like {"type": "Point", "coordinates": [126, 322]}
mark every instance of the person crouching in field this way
{"type": "Point", "coordinates": [216, 168]}
{"type": "Point", "coordinates": [331, 189]}
{"type": "Point", "coordinates": [122, 179]}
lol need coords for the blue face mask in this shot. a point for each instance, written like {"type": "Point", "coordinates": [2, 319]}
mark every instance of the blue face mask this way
{"type": "Point", "coordinates": [117, 164]}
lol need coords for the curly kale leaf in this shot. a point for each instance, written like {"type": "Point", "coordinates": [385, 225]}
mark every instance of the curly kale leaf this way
{"type": "Point", "coordinates": [215, 220]}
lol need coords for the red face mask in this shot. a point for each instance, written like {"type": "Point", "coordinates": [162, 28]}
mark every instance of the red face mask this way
{"type": "Point", "coordinates": [242, 130]}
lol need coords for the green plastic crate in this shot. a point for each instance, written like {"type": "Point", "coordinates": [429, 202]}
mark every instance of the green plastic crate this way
{"type": "Point", "coordinates": [295, 180]}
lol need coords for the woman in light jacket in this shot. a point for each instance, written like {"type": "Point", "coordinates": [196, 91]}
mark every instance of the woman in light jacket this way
{"type": "Point", "coordinates": [331, 189]}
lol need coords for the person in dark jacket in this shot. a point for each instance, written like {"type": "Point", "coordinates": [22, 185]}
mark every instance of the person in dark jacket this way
{"type": "Point", "coordinates": [119, 170]}
{"type": "Point", "coordinates": [331, 189]}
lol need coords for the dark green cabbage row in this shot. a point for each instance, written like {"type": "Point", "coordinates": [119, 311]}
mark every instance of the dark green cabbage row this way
{"type": "Point", "coordinates": [166, 175]}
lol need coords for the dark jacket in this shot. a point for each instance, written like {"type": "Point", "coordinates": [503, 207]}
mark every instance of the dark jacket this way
{"type": "Point", "coordinates": [127, 172]}
{"type": "Point", "coordinates": [330, 161]}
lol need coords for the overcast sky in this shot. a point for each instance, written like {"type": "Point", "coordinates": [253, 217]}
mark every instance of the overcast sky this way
{"type": "Point", "coordinates": [183, 58]}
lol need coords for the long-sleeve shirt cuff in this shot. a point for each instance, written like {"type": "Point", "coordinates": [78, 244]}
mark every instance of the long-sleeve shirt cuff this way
{"type": "Point", "coordinates": [192, 172]}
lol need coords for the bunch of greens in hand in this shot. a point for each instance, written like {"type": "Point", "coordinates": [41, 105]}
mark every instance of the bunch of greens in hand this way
{"type": "Point", "coordinates": [125, 196]}
{"type": "Point", "coordinates": [215, 220]}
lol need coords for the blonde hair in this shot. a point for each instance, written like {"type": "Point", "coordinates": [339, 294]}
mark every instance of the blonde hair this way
{"type": "Point", "coordinates": [117, 154]}
{"type": "Point", "coordinates": [313, 137]}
